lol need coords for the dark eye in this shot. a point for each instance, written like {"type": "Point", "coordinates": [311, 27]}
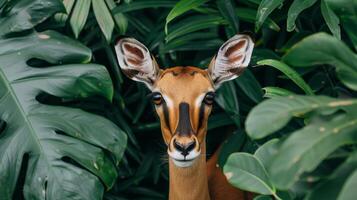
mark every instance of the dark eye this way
{"type": "Point", "coordinates": [157, 98]}
{"type": "Point", "coordinates": [209, 98]}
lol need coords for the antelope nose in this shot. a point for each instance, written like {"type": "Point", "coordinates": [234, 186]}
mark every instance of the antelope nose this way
{"type": "Point", "coordinates": [184, 149]}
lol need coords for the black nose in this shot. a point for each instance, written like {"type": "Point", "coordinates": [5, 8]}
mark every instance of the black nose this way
{"type": "Point", "coordinates": [184, 148]}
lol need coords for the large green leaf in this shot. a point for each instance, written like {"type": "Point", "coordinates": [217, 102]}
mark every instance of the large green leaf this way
{"type": "Point", "coordinates": [62, 17]}
{"type": "Point", "coordinates": [295, 9]}
{"type": "Point", "coordinates": [141, 4]}
{"type": "Point", "coordinates": [227, 10]}
{"type": "Point", "coordinates": [250, 86]}
{"type": "Point", "coordinates": [182, 7]}
{"type": "Point", "coordinates": [270, 92]}
{"type": "Point", "coordinates": [273, 114]}
{"type": "Point", "coordinates": [249, 15]}
{"type": "Point", "coordinates": [267, 151]}
{"type": "Point", "coordinates": [347, 12]}
{"type": "Point", "coordinates": [306, 148]}
{"type": "Point", "coordinates": [120, 19]}
{"type": "Point", "coordinates": [192, 24]}
{"type": "Point", "coordinates": [289, 72]}
{"type": "Point", "coordinates": [227, 99]}
{"type": "Point", "coordinates": [66, 147]}
{"type": "Point", "coordinates": [321, 48]}
{"type": "Point", "coordinates": [332, 21]}
{"type": "Point", "coordinates": [104, 18]}
{"type": "Point", "coordinates": [79, 16]}
{"type": "Point", "coordinates": [349, 189]}
{"type": "Point", "coordinates": [331, 187]}
{"type": "Point", "coordinates": [265, 8]}
{"type": "Point", "coordinates": [234, 143]}
{"type": "Point", "coordinates": [246, 172]}
{"type": "Point", "coordinates": [26, 14]}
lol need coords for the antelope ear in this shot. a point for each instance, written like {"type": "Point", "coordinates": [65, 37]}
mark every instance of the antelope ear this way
{"type": "Point", "coordinates": [231, 60]}
{"type": "Point", "coordinates": [136, 61]}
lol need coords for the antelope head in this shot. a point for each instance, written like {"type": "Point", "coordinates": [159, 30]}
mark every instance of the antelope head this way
{"type": "Point", "coordinates": [183, 96]}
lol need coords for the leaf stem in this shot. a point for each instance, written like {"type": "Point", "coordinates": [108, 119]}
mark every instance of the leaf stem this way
{"type": "Point", "coordinates": [276, 196]}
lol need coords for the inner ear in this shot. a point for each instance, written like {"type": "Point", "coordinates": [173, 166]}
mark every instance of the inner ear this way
{"type": "Point", "coordinates": [233, 52]}
{"type": "Point", "coordinates": [231, 60]}
{"type": "Point", "coordinates": [135, 55]}
{"type": "Point", "coordinates": [136, 61]}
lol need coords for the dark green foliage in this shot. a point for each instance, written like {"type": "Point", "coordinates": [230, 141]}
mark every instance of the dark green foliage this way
{"type": "Point", "coordinates": [306, 143]}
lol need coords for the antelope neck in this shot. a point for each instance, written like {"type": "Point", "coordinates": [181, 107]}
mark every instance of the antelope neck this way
{"type": "Point", "coordinates": [189, 183]}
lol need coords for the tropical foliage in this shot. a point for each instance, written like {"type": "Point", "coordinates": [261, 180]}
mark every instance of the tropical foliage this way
{"type": "Point", "coordinates": [65, 123]}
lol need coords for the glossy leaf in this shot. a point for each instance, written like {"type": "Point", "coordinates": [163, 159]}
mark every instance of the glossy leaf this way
{"type": "Point", "coordinates": [331, 187]}
{"type": "Point", "coordinates": [295, 9]}
{"type": "Point", "coordinates": [266, 153]}
{"type": "Point", "coordinates": [226, 8]}
{"type": "Point", "coordinates": [306, 148]}
{"type": "Point", "coordinates": [182, 7]}
{"type": "Point", "coordinates": [349, 189]}
{"type": "Point", "coordinates": [193, 24]}
{"type": "Point", "coordinates": [26, 14]}
{"type": "Point", "coordinates": [142, 4]}
{"type": "Point", "coordinates": [227, 99]}
{"type": "Point", "coordinates": [246, 172]}
{"type": "Point", "coordinates": [289, 72]}
{"type": "Point", "coordinates": [104, 18]}
{"type": "Point", "coordinates": [79, 16]}
{"type": "Point", "coordinates": [234, 143]}
{"type": "Point", "coordinates": [273, 114]}
{"type": "Point", "coordinates": [120, 19]}
{"type": "Point", "coordinates": [250, 86]}
{"type": "Point", "coordinates": [249, 15]}
{"type": "Point", "coordinates": [332, 21]}
{"type": "Point", "coordinates": [265, 8]}
{"type": "Point", "coordinates": [53, 135]}
{"type": "Point", "coordinates": [346, 10]}
{"type": "Point", "coordinates": [321, 48]}
{"type": "Point", "coordinates": [270, 92]}
{"type": "Point", "coordinates": [62, 17]}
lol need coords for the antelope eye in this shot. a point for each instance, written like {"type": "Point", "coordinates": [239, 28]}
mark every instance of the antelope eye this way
{"type": "Point", "coordinates": [157, 98]}
{"type": "Point", "coordinates": [209, 98]}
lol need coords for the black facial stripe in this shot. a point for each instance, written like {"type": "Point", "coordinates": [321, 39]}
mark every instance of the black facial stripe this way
{"type": "Point", "coordinates": [184, 127]}
{"type": "Point", "coordinates": [201, 115]}
{"type": "Point", "coordinates": [166, 114]}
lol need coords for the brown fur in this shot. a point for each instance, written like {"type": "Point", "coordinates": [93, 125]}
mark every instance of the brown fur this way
{"type": "Point", "coordinates": [184, 105]}
{"type": "Point", "coordinates": [204, 180]}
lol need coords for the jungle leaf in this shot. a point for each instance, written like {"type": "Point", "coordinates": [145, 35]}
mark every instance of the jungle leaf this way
{"type": "Point", "coordinates": [330, 188]}
{"type": "Point", "coordinates": [321, 48]}
{"type": "Point", "coordinates": [79, 16]}
{"type": "Point", "coordinates": [270, 92]}
{"type": "Point", "coordinates": [26, 14]}
{"type": "Point", "coordinates": [289, 72]}
{"type": "Point", "coordinates": [182, 7]}
{"type": "Point", "coordinates": [273, 114]}
{"type": "Point", "coordinates": [54, 137]}
{"type": "Point", "coordinates": [244, 171]}
{"type": "Point", "coordinates": [104, 18]}
{"type": "Point", "coordinates": [265, 8]}
{"type": "Point", "coordinates": [346, 10]}
{"type": "Point", "coordinates": [295, 9]}
{"type": "Point", "coordinates": [306, 148]}
{"type": "Point", "coordinates": [332, 21]}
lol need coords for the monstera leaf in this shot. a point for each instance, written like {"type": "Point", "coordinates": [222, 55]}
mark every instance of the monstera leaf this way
{"type": "Point", "coordinates": [64, 151]}
{"type": "Point", "coordinates": [22, 15]}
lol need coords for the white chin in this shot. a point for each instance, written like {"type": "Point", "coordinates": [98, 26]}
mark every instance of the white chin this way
{"type": "Point", "coordinates": [183, 163]}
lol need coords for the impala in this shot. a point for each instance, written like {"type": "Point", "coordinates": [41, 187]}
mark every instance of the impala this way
{"type": "Point", "coordinates": [183, 98]}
